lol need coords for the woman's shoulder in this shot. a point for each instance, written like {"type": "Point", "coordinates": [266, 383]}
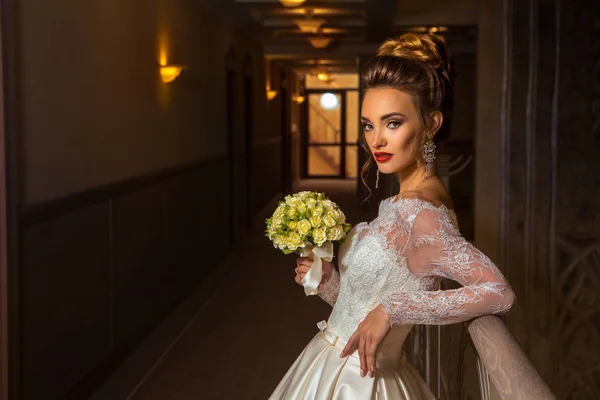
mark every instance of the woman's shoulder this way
{"type": "Point", "coordinates": [426, 206]}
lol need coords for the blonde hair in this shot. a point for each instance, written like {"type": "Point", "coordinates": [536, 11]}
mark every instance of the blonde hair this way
{"type": "Point", "coordinates": [419, 65]}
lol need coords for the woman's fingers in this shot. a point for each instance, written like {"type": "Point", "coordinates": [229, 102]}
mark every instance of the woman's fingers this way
{"type": "Point", "coordinates": [302, 269]}
{"type": "Point", "coordinates": [304, 261]}
{"type": "Point", "coordinates": [351, 346]}
{"type": "Point", "coordinates": [371, 348]}
{"type": "Point", "coordinates": [363, 357]}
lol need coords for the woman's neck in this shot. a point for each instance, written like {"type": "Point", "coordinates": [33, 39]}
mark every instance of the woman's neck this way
{"type": "Point", "coordinates": [411, 177]}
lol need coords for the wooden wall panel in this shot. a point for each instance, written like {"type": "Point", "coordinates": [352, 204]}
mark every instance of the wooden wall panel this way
{"type": "Point", "coordinates": [64, 301]}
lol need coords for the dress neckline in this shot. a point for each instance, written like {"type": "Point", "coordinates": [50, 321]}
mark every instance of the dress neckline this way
{"type": "Point", "coordinates": [393, 201]}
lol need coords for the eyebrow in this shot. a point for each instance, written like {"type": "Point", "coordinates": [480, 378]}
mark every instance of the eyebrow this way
{"type": "Point", "coordinates": [384, 117]}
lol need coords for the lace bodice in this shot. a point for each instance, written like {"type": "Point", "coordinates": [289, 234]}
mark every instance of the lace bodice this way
{"type": "Point", "coordinates": [398, 260]}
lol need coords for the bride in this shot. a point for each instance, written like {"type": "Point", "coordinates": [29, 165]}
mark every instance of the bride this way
{"type": "Point", "coordinates": [390, 269]}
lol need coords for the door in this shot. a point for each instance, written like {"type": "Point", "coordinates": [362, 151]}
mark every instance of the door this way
{"type": "Point", "coordinates": [332, 134]}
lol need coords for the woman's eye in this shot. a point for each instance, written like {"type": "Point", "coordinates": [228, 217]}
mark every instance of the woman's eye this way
{"type": "Point", "coordinates": [394, 124]}
{"type": "Point", "coordinates": [367, 127]}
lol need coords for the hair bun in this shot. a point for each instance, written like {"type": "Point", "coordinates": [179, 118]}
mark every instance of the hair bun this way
{"type": "Point", "coordinates": [423, 48]}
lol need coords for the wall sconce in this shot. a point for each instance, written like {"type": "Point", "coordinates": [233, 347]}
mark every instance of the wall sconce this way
{"type": "Point", "coordinates": [271, 94]}
{"type": "Point", "coordinates": [168, 73]}
{"type": "Point", "coordinates": [299, 99]}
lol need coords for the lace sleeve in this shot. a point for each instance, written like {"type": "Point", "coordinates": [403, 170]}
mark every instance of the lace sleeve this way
{"type": "Point", "coordinates": [329, 290]}
{"type": "Point", "coordinates": [434, 247]}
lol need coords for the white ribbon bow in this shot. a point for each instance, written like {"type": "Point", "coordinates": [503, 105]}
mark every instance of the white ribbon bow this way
{"type": "Point", "coordinates": [313, 278]}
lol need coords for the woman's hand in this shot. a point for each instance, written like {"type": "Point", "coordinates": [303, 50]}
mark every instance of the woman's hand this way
{"type": "Point", "coordinates": [366, 339]}
{"type": "Point", "coordinates": [303, 266]}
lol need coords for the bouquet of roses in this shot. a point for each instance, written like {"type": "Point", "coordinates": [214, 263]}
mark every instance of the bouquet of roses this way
{"type": "Point", "coordinates": [308, 223]}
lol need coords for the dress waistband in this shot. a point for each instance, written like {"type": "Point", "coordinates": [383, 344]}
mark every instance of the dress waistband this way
{"type": "Point", "coordinates": [332, 338]}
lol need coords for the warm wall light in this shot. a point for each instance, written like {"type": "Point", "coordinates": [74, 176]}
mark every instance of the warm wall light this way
{"type": "Point", "coordinates": [292, 3]}
{"type": "Point", "coordinates": [168, 73]}
{"type": "Point", "coordinates": [271, 94]}
{"type": "Point", "coordinates": [323, 77]}
{"type": "Point", "coordinates": [309, 25]}
{"type": "Point", "coordinates": [299, 99]}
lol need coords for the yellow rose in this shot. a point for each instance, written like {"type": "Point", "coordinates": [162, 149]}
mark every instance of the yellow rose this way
{"type": "Point", "coordinates": [303, 195]}
{"type": "Point", "coordinates": [296, 241]}
{"type": "Point", "coordinates": [317, 211]}
{"type": "Point", "coordinates": [277, 222]}
{"type": "Point", "coordinates": [329, 221]}
{"type": "Point", "coordinates": [291, 212]}
{"type": "Point", "coordinates": [315, 221]}
{"type": "Point", "coordinates": [279, 211]}
{"type": "Point", "coordinates": [335, 233]}
{"type": "Point", "coordinates": [342, 218]}
{"type": "Point", "coordinates": [292, 201]}
{"type": "Point", "coordinates": [319, 236]}
{"type": "Point", "coordinates": [292, 225]}
{"type": "Point", "coordinates": [311, 204]}
{"type": "Point", "coordinates": [304, 227]}
{"type": "Point", "coordinates": [328, 205]}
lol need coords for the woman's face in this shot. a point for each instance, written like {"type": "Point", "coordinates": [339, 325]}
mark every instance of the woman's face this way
{"type": "Point", "coordinates": [393, 128]}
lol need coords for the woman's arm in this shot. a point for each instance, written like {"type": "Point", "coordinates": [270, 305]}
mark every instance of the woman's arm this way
{"type": "Point", "coordinates": [330, 289]}
{"type": "Point", "coordinates": [330, 282]}
{"type": "Point", "coordinates": [435, 248]}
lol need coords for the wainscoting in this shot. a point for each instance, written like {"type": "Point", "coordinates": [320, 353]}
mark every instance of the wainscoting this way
{"type": "Point", "coordinates": [100, 270]}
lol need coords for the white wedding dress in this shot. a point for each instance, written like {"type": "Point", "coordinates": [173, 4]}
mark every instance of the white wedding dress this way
{"type": "Point", "coordinates": [397, 260]}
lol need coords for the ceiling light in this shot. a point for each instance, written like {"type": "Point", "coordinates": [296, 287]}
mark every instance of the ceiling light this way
{"type": "Point", "coordinates": [292, 3]}
{"type": "Point", "coordinates": [329, 101]}
{"type": "Point", "coordinates": [322, 76]}
{"type": "Point", "coordinates": [320, 42]}
{"type": "Point", "coordinates": [309, 25]}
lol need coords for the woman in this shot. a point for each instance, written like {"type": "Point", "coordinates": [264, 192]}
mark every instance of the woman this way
{"type": "Point", "coordinates": [390, 269]}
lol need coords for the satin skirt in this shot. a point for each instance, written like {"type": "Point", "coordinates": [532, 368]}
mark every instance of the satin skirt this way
{"type": "Point", "coordinates": [320, 374]}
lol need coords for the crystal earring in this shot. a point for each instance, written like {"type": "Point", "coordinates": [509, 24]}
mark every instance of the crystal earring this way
{"type": "Point", "coordinates": [377, 180]}
{"type": "Point", "coordinates": [429, 154]}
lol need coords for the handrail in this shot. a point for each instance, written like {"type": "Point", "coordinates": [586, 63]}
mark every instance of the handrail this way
{"type": "Point", "coordinates": [513, 375]}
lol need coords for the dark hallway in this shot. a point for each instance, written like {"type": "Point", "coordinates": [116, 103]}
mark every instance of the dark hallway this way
{"type": "Point", "coordinates": [145, 142]}
{"type": "Point", "coordinates": [217, 356]}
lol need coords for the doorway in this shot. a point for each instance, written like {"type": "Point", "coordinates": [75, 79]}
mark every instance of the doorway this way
{"type": "Point", "coordinates": [331, 142]}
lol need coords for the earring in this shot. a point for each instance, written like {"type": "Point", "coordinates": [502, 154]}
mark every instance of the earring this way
{"type": "Point", "coordinates": [429, 154]}
{"type": "Point", "coordinates": [377, 180]}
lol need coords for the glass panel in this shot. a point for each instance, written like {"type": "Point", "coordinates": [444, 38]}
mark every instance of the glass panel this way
{"type": "Point", "coordinates": [324, 160]}
{"type": "Point", "coordinates": [324, 117]}
{"type": "Point", "coordinates": [352, 117]}
{"type": "Point", "coordinates": [351, 161]}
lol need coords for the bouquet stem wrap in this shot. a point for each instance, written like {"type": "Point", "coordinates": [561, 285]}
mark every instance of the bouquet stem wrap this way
{"type": "Point", "coordinates": [313, 278]}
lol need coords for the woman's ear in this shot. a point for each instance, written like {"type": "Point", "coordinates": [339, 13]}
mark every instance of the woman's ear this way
{"type": "Point", "coordinates": [436, 119]}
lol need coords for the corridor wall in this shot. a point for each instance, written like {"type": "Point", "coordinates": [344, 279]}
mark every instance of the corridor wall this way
{"type": "Point", "coordinates": [123, 179]}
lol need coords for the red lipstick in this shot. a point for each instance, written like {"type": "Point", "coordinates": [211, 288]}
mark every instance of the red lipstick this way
{"type": "Point", "coordinates": [382, 157]}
